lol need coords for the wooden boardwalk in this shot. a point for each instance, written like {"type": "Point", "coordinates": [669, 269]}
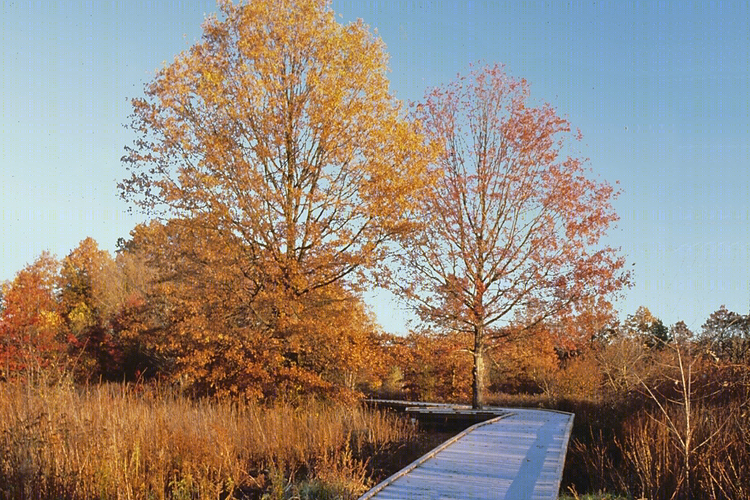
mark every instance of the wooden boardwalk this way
{"type": "Point", "coordinates": [517, 456]}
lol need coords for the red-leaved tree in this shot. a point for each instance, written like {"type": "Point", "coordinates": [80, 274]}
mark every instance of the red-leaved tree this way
{"type": "Point", "coordinates": [30, 323]}
{"type": "Point", "coordinates": [512, 229]}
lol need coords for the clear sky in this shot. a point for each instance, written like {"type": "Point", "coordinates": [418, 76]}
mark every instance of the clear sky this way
{"type": "Point", "coordinates": [659, 89]}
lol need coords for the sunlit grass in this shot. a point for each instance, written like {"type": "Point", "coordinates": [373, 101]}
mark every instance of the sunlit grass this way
{"type": "Point", "coordinates": [119, 441]}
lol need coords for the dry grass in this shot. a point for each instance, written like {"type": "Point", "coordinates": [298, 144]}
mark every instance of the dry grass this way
{"type": "Point", "coordinates": [718, 467]}
{"type": "Point", "coordinates": [117, 441]}
{"type": "Point", "coordinates": [669, 444]}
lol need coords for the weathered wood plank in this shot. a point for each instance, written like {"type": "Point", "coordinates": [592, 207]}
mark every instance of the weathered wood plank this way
{"type": "Point", "coordinates": [516, 456]}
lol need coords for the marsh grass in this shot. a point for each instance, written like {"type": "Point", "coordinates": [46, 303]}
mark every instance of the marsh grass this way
{"type": "Point", "coordinates": [667, 444]}
{"type": "Point", "coordinates": [131, 442]}
{"type": "Point", "coordinates": [685, 435]}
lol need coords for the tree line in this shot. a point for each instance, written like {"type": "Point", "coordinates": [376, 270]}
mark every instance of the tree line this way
{"type": "Point", "coordinates": [98, 316]}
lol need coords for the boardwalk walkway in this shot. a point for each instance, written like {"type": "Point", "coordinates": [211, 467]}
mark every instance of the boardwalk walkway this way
{"type": "Point", "coordinates": [517, 456]}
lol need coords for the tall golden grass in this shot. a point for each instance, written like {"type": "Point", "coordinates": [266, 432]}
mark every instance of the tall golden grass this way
{"type": "Point", "coordinates": [127, 442]}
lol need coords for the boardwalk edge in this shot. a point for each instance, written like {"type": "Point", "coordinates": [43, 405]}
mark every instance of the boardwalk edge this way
{"type": "Point", "coordinates": [381, 485]}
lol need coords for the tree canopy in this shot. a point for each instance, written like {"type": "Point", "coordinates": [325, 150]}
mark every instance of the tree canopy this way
{"type": "Point", "coordinates": [277, 133]}
{"type": "Point", "coordinates": [512, 229]}
{"type": "Point", "coordinates": [281, 169]}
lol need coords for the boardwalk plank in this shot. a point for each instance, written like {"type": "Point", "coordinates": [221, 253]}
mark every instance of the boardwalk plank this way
{"type": "Point", "coordinates": [517, 456]}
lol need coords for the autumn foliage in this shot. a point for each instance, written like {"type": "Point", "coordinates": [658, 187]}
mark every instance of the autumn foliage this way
{"type": "Point", "coordinates": [277, 139]}
{"type": "Point", "coordinates": [30, 320]}
{"type": "Point", "coordinates": [281, 169]}
{"type": "Point", "coordinates": [67, 316]}
{"type": "Point", "coordinates": [432, 367]}
{"type": "Point", "coordinates": [512, 227]}
{"type": "Point", "coordinates": [281, 178]}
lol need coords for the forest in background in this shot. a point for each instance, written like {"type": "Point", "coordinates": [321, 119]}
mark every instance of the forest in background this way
{"type": "Point", "coordinates": [280, 178]}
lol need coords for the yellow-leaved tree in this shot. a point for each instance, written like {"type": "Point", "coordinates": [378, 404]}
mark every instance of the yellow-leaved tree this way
{"type": "Point", "coordinates": [281, 167]}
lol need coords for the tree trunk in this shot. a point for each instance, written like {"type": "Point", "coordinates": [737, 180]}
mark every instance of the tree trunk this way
{"type": "Point", "coordinates": [477, 400]}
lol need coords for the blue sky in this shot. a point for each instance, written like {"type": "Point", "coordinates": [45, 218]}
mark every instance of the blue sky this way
{"type": "Point", "coordinates": [659, 89]}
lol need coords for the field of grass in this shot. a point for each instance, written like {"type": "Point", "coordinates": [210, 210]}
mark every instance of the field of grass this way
{"type": "Point", "coordinates": [126, 441]}
{"type": "Point", "coordinates": [129, 442]}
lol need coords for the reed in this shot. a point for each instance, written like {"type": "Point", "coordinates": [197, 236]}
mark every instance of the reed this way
{"type": "Point", "coordinates": [130, 442]}
{"type": "Point", "coordinates": [676, 440]}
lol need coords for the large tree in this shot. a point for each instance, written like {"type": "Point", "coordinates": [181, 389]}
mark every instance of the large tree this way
{"type": "Point", "coordinates": [512, 230]}
{"type": "Point", "coordinates": [278, 133]}
{"type": "Point", "coordinates": [280, 158]}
